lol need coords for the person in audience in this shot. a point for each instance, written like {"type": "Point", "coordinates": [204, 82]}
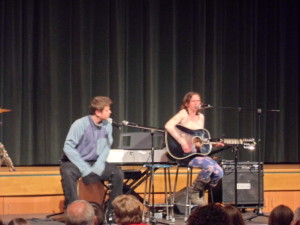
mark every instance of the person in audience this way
{"type": "Point", "coordinates": [127, 210]}
{"type": "Point", "coordinates": [80, 212]}
{"type": "Point", "coordinates": [281, 215]}
{"type": "Point", "coordinates": [234, 214]}
{"type": "Point", "coordinates": [213, 214]}
{"type": "Point", "coordinates": [18, 221]}
{"type": "Point", "coordinates": [99, 212]}
{"type": "Point", "coordinates": [296, 220]}
{"type": "Point", "coordinates": [1, 222]}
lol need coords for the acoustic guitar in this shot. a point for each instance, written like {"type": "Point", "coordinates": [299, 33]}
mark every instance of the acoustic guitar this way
{"type": "Point", "coordinates": [200, 142]}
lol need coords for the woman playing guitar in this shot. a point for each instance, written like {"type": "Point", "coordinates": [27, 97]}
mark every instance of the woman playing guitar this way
{"type": "Point", "coordinates": [191, 118]}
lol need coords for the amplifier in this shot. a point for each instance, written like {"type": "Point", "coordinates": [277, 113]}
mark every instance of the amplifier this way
{"type": "Point", "coordinates": [250, 187]}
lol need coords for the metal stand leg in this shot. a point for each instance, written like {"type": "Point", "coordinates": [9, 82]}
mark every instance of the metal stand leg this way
{"type": "Point", "coordinates": [149, 195]}
{"type": "Point", "coordinates": [187, 203]}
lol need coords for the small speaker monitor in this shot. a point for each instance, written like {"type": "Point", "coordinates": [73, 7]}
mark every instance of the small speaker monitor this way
{"type": "Point", "coordinates": [141, 141]}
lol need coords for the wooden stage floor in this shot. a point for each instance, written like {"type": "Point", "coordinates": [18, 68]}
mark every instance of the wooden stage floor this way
{"type": "Point", "coordinates": [37, 189]}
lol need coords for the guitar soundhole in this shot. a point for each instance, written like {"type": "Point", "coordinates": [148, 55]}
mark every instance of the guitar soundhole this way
{"type": "Point", "coordinates": [197, 142]}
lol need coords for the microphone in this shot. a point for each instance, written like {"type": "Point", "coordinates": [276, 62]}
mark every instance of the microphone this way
{"type": "Point", "coordinates": [204, 106]}
{"type": "Point", "coordinates": [127, 123]}
{"type": "Point", "coordinates": [115, 124]}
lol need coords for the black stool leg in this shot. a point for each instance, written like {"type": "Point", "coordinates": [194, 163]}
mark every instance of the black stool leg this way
{"type": "Point", "coordinates": [211, 195]}
{"type": "Point", "coordinates": [108, 209]}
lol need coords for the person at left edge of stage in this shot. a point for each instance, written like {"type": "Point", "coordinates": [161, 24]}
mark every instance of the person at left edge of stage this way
{"type": "Point", "coordinates": [86, 149]}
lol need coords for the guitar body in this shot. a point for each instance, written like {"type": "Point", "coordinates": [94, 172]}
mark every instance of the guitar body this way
{"type": "Point", "coordinates": [197, 139]}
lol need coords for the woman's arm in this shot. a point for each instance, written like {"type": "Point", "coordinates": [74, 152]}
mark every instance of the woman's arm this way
{"type": "Point", "coordinates": [170, 126]}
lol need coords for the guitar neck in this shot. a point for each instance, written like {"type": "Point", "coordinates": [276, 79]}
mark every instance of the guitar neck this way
{"type": "Point", "coordinates": [229, 141]}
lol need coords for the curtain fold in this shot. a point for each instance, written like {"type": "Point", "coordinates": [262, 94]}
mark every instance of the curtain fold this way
{"type": "Point", "coordinates": [242, 56]}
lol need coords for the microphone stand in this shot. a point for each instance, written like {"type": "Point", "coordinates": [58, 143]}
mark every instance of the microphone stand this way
{"type": "Point", "coordinates": [235, 152]}
{"type": "Point", "coordinates": [259, 209]}
{"type": "Point", "coordinates": [152, 130]}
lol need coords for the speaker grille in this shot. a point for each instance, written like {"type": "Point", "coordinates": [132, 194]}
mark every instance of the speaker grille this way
{"type": "Point", "coordinates": [247, 184]}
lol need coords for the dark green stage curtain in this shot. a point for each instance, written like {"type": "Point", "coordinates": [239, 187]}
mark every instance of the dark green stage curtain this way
{"type": "Point", "coordinates": [241, 55]}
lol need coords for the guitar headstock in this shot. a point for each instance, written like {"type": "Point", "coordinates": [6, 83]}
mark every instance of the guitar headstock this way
{"type": "Point", "coordinates": [249, 144]}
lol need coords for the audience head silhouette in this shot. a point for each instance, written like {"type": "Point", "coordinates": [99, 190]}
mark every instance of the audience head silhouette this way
{"type": "Point", "coordinates": [99, 212]}
{"type": "Point", "coordinates": [281, 215]}
{"type": "Point", "coordinates": [234, 214]}
{"type": "Point", "coordinates": [18, 221]}
{"type": "Point", "coordinates": [213, 214]}
{"type": "Point", "coordinates": [296, 220]}
{"type": "Point", "coordinates": [127, 209]}
{"type": "Point", "coordinates": [80, 212]}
